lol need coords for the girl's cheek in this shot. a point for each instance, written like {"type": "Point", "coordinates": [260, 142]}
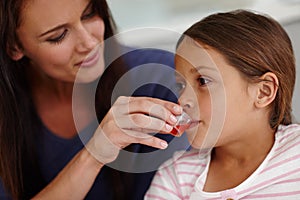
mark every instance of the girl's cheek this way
{"type": "Point", "coordinates": [204, 105]}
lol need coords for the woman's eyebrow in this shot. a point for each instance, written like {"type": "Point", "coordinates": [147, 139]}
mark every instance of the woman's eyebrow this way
{"type": "Point", "coordinates": [53, 29]}
{"type": "Point", "coordinates": [87, 7]}
{"type": "Point", "coordinates": [63, 25]}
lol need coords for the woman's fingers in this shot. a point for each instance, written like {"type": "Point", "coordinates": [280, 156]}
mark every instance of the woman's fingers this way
{"type": "Point", "coordinates": [161, 109]}
{"type": "Point", "coordinates": [167, 104]}
{"type": "Point", "coordinates": [132, 120]}
{"type": "Point", "coordinates": [143, 123]}
{"type": "Point", "coordinates": [152, 141]}
{"type": "Point", "coordinates": [138, 136]}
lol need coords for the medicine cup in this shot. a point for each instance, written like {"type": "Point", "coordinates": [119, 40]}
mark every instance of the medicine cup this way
{"type": "Point", "coordinates": [183, 123]}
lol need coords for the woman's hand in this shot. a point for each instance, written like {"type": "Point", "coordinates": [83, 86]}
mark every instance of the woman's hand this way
{"type": "Point", "coordinates": [130, 120]}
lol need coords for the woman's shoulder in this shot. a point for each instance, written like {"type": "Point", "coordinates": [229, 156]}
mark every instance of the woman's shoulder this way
{"type": "Point", "coordinates": [137, 56]}
{"type": "Point", "coordinates": [3, 194]}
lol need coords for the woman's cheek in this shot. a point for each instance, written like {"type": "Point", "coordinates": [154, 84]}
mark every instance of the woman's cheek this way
{"type": "Point", "coordinates": [100, 30]}
{"type": "Point", "coordinates": [62, 54]}
{"type": "Point", "coordinates": [97, 29]}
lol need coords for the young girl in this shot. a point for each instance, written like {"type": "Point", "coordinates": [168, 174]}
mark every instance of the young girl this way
{"type": "Point", "coordinates": [242, 62]}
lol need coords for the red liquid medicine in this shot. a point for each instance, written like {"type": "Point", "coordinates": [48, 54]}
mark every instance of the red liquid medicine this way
{"type": "Point", "coordinates": [179, 129]}
{"type": "Point", "coordinates": [183, 123]}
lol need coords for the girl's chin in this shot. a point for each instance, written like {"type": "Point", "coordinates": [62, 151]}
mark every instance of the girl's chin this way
{"type": "Point", "coordinates": [197, 138]}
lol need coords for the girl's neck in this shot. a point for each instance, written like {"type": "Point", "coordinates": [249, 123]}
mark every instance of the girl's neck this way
{"type": "Point", "coordinates": [232, 163]}
{"type": "Point", "coordinates": [247, 150]}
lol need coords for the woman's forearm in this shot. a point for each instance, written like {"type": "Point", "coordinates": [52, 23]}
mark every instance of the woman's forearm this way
{"type": "Point", "coordinates": [75, 180]}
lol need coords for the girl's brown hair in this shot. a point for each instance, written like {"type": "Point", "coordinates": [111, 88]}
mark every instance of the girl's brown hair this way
{"type": "Point", "coordinates": [254, 44]}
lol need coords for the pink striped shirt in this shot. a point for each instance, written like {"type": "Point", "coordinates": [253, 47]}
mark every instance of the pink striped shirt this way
{"type": "Point", "coordinates": [277, 178]}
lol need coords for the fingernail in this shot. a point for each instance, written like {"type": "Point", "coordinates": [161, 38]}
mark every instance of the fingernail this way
{"type": "Point", "coordinates": [173, 118]}
{"type": "Point", "coordinates": [164, 145]}
{"type": "Point", "coordinates": [177, 109]}
{"type": "Point", "coordinates": [168, 127]}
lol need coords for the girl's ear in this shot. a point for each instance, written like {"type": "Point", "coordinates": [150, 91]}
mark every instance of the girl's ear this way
{"type": "Point", "coordinates": [15, 53]}
{"type": "Point", "coordinates": [266, 90]}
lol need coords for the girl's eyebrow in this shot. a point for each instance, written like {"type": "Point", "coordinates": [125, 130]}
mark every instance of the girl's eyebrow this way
{"type": "Point", "coordinates": [196, 69]}
{"type": "Point", "coordinates": [63, 25]}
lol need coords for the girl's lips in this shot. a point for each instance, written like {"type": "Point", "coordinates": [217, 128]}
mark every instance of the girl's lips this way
{"type": "Point", "coordinates": [193, 124]}
{"type": "Point", "coordinates": [178, 130]}
{"type": "Point", "coordinates": [90, 61]}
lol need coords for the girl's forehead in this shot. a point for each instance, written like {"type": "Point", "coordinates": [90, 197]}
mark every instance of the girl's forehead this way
{"type": "Point", "coordinates": [193, 53]}
{"type": "Point", "coordinates": [194, 58]}
{"type": "Point", "coordinates": [189, 44]}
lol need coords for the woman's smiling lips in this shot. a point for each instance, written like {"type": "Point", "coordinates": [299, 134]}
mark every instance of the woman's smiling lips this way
{"type": "Point", "coordinates": [90, 61]}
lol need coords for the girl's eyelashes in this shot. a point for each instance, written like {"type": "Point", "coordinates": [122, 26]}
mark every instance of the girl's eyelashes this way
{"type": "Point", "coordinates": [203, 81]}
{"type": "Point", "coordinates": [59, 38]}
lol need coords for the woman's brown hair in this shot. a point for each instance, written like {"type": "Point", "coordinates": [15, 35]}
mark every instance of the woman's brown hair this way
{"type": "Point", "coordinates": [19, 122]}
{"type": "Point", "coordinates": [254, 44]}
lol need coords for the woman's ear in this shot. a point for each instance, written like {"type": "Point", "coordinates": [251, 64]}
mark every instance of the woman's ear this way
{"type": "Point", "coordinates": [266, 90]}
{"type": "Point", "coordinates": [15, 53]}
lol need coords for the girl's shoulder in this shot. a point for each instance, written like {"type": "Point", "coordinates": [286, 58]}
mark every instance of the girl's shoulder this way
{"type": "Point", "coordinates": [287, 133]}
{"type": "Point", "coordinates": [187, 161]}
{"type": "Point", "coordinates": [184, 168]}
{"type": "Point", "coordinates": [287, 144]}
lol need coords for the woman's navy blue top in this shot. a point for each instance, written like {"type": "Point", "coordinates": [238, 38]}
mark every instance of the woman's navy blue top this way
{"type": "Point", "coordinates": [151, 73]}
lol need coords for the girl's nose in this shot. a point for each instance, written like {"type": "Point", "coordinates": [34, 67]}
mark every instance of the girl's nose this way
{"type": "Point", "coordinates": [187, 99]}
{"type": "Point", "coordinates": [185, 103]}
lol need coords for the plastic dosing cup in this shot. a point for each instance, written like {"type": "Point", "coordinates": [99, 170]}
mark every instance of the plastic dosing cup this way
{"type": "Point", "coordinates": [183, 123]}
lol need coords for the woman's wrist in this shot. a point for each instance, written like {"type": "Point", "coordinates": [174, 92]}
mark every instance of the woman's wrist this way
{"type": "Point", "coordinates": [86, 160]}
{"type": "Point", "coordinates": [75, 180]}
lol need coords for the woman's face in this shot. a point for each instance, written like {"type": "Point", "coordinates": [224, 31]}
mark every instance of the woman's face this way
{"type": "Point", "coordinates": [62, 36]}
{"type": "Point", "coordinates": [214, 94]}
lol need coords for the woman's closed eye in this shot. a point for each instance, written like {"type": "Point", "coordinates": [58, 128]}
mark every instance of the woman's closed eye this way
{"type": "Point", "coordinates": [59, 38]}
{"type": "Point", "coordinates": [89, 13]}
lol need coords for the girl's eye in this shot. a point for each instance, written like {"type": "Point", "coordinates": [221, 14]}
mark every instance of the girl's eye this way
{"type": "Point", "coordinates": [59, 38]}
{"type": "Point", "coordinates": [203, 81]}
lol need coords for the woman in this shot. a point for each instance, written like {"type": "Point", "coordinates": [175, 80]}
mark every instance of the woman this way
{"type": "Point", "coordinates": [44, 44]}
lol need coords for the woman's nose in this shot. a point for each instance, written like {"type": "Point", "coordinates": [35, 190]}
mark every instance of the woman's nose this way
{"type": "Point", "coordinates": [86, 41]}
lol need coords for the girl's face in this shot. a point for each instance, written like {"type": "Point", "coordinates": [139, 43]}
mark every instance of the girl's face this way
{"type": "Point", "coordinates": [214, 94]}
{"type": "Point", "coordinates": [62, 36]}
